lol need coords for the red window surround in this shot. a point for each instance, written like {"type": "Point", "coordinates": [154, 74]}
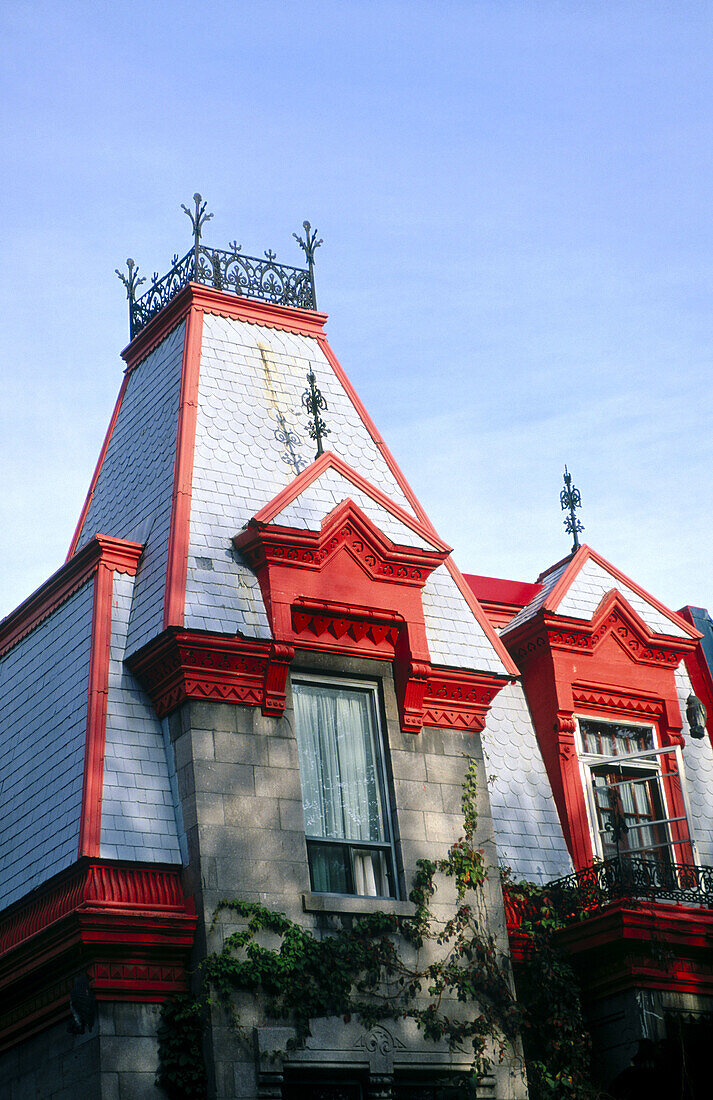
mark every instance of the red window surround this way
{"type": "Point", "coordinates": [612, 667]}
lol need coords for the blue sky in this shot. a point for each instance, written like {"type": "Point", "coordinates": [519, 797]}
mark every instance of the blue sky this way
{"type": "Point", "coordinates": [515, 200]}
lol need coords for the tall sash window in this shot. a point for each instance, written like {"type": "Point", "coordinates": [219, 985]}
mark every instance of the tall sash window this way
{"type": "Point", "coordinates": [343, 792]}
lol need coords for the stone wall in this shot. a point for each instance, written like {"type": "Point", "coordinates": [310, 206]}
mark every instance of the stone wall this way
{"type": "Point", "coordinates": [239, 786]}
{"type": "Point", "coordinates": [117, 1060]}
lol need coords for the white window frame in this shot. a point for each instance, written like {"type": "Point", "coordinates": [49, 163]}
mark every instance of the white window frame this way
{"type": "Point", "coordinates": [371, 688]}
{"type": "Point", "coordinates": [648, 761]}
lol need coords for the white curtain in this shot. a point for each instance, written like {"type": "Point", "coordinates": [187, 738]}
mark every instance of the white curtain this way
{"type": "Point", "coordinates": [338, 766]}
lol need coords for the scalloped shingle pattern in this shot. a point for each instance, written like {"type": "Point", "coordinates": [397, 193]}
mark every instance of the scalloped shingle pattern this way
{"type": "Point", "coordinates": [138, 813]}
{"type": "Point", "coordinates": [530, 609]}
{"type": "Point", "coordinates": [44, 681]}
{"type": "Point", "coordinates": [591, 585]}
{"type": "Point", "coordinates": [251, 441]}
{"type": "Point", "coordinates": [330, 489]}
{"type": "Point", "coordinates": [698, 766]}
{"type": "Point", "coordinates": [132, 497]}
{"type": "Point", "coordinates": [528, 833]}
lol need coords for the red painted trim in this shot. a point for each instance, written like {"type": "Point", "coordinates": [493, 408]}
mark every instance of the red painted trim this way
{"type": "Point", "coordinates": [619, 948]}
{"type": "Point", "coordinates": [97, 470]}
{"type": "Point", "coordinates": [408, 492]}
{"type": "Point", "coordinates": [499, 591]}
{"type": "Point", "coordinates": [330, 461]}
{"type": "Point", "coordinates": [209, 300]}
{"type": "Point", "coordinates": [118, 554]}
{"type": "Point", "coordinates": [179, 533]}
{"type": "Point", "coordinates": [584, 554]}
{"type": "Point", "coordinates": [128, 925]}
{"type": "Point", "coordinates": [90, 823]}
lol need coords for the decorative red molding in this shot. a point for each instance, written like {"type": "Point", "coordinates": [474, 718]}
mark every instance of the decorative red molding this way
{"type": "Point", "coordinates": [619, 948]}
{"type": "Point", "coordinates": [177, 559]}
{"type": "Point", "coordinates": [458, 700]}
{"type": "Point", "coordinates": [118, 554]}
{"type": "Point", "coordinates": [181, 665]}
{"type": "Point", "coordinates": [347, 588]}
{"type": "Point", "coordinates": [611, 666]}
{"type": "Point", "coordinates": [128, 925]}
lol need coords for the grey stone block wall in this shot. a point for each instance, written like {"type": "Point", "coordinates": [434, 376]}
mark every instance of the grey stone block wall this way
{"type": "Point", "coordinates": [241, 800]}
{"type": "Point", "coordinates": [117, 1060]}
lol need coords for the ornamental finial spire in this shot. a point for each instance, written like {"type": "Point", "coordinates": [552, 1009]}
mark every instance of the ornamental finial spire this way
{"type": "Point", "coordinates": [571, 499]}
{"type": "Point", "coordinates": [198, 220]}
{"type": "Point", "coordinates": [313, 402]}
{"type": "Point", "coordinates": [309, 245]}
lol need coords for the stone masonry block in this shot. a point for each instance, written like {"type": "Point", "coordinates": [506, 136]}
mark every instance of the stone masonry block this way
{"type": "Point", "coordinates": [408, 765]}
{"type": "Point", "coordinates": [262, 813]}
{"type": "Point", "coordinates": [224, 778]}
{"type": "Point", "coordinates": [418, 796]}
{"type": "Point", "coordinates": [277, 783]}
{"type": "Point", "coordinates": [445, 769]}
{"type": "Point", "coordinates": [239, 748]}
{"type": "Point", "coordinates": [282, 753]}
{"type": "Point", "coordinates": [411, 824]}
{"type": "Point", "coordinates": [291, 814]}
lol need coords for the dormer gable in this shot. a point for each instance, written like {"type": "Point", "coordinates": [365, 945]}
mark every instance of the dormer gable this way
{"type": "Point", "coordinates": [574, 589]}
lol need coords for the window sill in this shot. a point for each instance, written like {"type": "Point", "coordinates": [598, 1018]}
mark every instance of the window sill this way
{"type": "Point", "coordinates": [349, 903]}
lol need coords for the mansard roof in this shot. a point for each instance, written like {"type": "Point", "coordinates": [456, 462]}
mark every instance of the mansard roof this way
{"type": "Point", "coordinates": [210, 431]}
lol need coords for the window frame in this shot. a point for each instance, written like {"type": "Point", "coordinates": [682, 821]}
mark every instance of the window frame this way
{"type": "Point", "coordinates": [373, 689]}
{"type": "Point", "coordinates": [649, 762]}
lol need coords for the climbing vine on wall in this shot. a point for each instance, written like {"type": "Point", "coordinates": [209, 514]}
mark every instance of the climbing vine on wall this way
{"type": "Point", "coordinates": [373, 969]}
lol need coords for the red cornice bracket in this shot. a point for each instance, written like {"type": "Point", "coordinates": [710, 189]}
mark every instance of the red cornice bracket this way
{"type": "Point", "coordinates": [278, 666]}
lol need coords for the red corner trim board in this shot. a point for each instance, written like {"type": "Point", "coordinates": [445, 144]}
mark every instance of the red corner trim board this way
{"type": "Point", "coordinates": [100, 558]}
{"type": "Point", "coordinates": [177, 565]}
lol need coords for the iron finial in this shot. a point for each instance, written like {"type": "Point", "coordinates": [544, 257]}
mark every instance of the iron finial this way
{"type": "Point", "coordinates": [313, 402]}
{"type": "Point", "coordinates": [131, 282]}
{"type": "Point", "coordinates": [198, 220]}
{"type": "Point", "coordinates": [309, 246]}
{"type": "Point", "coordinates": [571, 499]}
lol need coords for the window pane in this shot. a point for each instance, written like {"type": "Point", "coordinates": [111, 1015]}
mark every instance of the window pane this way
{"type": "Point", "coordinates": [329, 864]}
{"type": "Point", "coordinates": [612, 739]}
{"type": "Point", "coordinates": [336, 743]}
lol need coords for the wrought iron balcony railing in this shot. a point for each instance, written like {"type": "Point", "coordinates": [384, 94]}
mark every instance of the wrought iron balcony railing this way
{"type": "Point", "coordinates": [231, 271]}
{"type": "Point", "coordinates": [636, 878]}
{"type": "Point", "coordinates": [631, 879]}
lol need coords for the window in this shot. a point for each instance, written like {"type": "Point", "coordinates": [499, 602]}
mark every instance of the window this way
{"type": "Point", "coordinates": [343, 792]}
{"type": "Point", "coordinates": [631, 788]}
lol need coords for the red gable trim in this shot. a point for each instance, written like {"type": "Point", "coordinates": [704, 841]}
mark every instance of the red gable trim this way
{"type": "Point", "coordinates": [408, 492]}
{"type": "Point", "coordinates": [177, 560]}
{"type": "Point", "coordinates": [209, 300]}
{"type": "Point", "coordinates": [331, 461]}
{"type": "Point", "coordinates": [97, 470]}
{"type": "Point", "coordinates": [584, 554]}
{"type": "Point", "coordinates": [117, 554]}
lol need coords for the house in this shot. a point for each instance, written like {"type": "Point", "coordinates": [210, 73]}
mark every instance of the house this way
{"type": "Point", "coordinates": [259, 676]}
{"type": "Point", "coordinates": [609, 673]}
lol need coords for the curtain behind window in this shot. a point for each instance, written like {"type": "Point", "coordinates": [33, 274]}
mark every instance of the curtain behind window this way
{"type": "Point", "coordinates": [338, 763]}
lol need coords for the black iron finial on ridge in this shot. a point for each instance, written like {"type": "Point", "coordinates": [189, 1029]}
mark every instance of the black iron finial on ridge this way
{"type": "Point", "coordinates": [571, 499]}
{"type": "Point", "coordinates": [131, 282]}
{"type": "Point", "coordinates": [313, 401]}
{"type": "Point", "coordinates": [198, 220]}
{"type": "Point", "coordinates": [227, 271]}
{"type": "Point", "coordinates": [309, 247]}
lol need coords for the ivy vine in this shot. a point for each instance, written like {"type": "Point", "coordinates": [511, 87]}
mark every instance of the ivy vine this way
{"type": "Point", "coordinates": [371, 970]}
